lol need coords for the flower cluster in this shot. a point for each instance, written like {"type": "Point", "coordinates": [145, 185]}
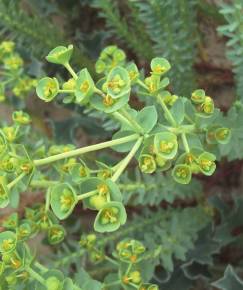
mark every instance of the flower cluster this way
{"type": "Point", "coordinates": [174, 136]}
{"type": "Point", "coordinates": [176, 140]}
{"type": "Point", "coordinates": [14, 82]}
{"type": "Point", "coordinates": [127, 259]}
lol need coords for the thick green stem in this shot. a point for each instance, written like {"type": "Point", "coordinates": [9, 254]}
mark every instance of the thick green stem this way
{"type": "Point", "coordinates": [111, 260]}
{"type": "Point", "coordinates": [16, 180]}
{"type": "Point", "coordinates": [183, 128]}
{"type": "Point", "coordinates": [36, 276]}
{"type": "Point", "coordinates": [86, 149]}
{"type": "Point", "coordinates": [141, 84]}
{"type": "Point", "coordinates": [134, 186]}
{"type": "Point", "coordinates": [66, 91]}
{"type": "Point", "coordinates": [72, 72]}
{"type": "Point", "coordinates": [127, 159]}
{"type": "Point", "coordinates": [128, 268]}
{"type": "Point", "coordinates": [42, 183]}
{"type": "Point", "coordinates": [48, 199]}
{"type": "Point", "coordinates": [41, 267]}
{"type": "Point", "coordinates": [167, 111]}
{"type": "Point", "coordinates": [188, 119]}
{"type": "Point", "coordinates": [123, 120]}
{"type": "Point", "coordinates": [115, 167]}
{"type": "Point", "coordinates": [99, 92]}
{"type": "Point", "coordinates": [134, 285]}
{"type": "Point", "coordinates": [87, 194]}
{"type": "Point", "coordinates": [133, 122]}
{"type": "Point", "coordinates": [185, 143]}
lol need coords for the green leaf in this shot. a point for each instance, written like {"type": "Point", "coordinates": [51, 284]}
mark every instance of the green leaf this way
{"type": "Point", "coordinates": [60, 55]}
{"type": "Point", "coordinates": [230, 280]}
{"type": "Point", "coordinates": [63, 200]}
{"type": "Point", "coordinates": [3, 143]}
{"type": "Point", "coordinates": [84, 87]}
{"type": "Point", "coordinates": [14, 196]}
{"type": "Point", "coordinates": [147, 118]}
{"type": "Point", "coordinates": [68, 284]}
{"type": "Point", "coordinates": [79, 171]}
{"type": "Point", "coordinates": [178, 110]}
{"type": "Point", "coordinates": [47, 89]}
{"type": "Point", "coordinates": [122, 147]}
{"type": "Point", "coordinates": [107, 191]}
{"type": "Point", "coordinates": [107, 104]}
{"type": "Point", "coordinates": [4, 192]}
{"type": "Point", "coordinates": [86, 282]}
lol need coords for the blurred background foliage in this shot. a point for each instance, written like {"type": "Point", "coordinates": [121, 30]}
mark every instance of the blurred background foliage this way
{"type": "Point", "coordinates": [203, 40]}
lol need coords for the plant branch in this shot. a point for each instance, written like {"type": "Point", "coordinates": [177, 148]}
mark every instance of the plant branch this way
{"type": "Point", "coordinates": [86, 149]}
{"type": "Point", "coordinates": [16, 180]}
{"type": "Point", "coordinates": [167, 111]}
{"type": "Point", "coordinates": [71, 71]}
{"type": "Point", "coordinates": [133, 122]}
{"type": "Point", "coordinates": [185, 143]}
{"type": "Point", "coordinates": [127, 159]}
{"type": "Point", "coordinates": [87, 194]}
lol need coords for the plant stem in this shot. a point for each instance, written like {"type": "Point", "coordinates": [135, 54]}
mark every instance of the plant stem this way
{"type": "Point", "coordinates": [185, 143]}
{"type": "Point", "coordinates": [141, 84]}
{"type": "Point", "coordinates": [133, 122]}
{"type": "Point", "coordinates": [167, 111]}
{"type": "Point", "coordinates": [99, 92]}
{"type": "Point", "coordinates": [86, 149]}
{"type": "Point", "coordinates": [134, 285]}
{"type": "Point", "coordinates": [66, 91]}
{"type": "Point", "coordinates": [72, 72]}
{"type": "Point", "coordinates": [127, 159]}
{"type": "Point", "coordinates": [183, 128]}
{"type": "Point", "coordinates": [115, 167]}
{"type": "Point", "coordinates": [122, 119]}
{"type": "Point", "coordinates": [8, 81]}
{"type": "Point", "coordinates": [111, 260]}
{"type": "Point", "coordinates": [128, 269]}
{"type": "Point", "coordinates": [87, 194]}
{"type": "Point", "coordinates": [16, 180]}
{"type": "Point", "coordinates": [48, 197]}
{"type": "Point", "coordinates": [41, 267]}
{"type": "Point", "coordinates": [42, 183]}
{"type": "Point", "coordinates": [188, 119]}
{"type": "Point", "coordinates": [36, 276]}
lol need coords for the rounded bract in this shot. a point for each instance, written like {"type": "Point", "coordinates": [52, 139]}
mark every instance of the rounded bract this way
{"type": "Point", "coordinates": [60, 54]}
